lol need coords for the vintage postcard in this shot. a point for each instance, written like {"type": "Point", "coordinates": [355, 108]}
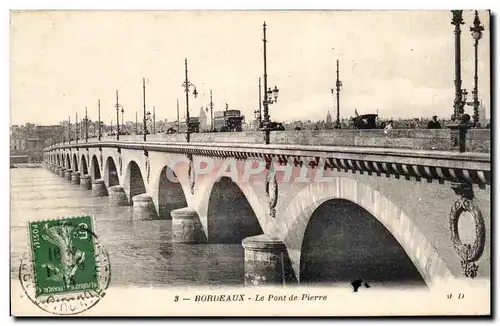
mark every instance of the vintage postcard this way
{"type": "Point", "coordinates": [250, 163]}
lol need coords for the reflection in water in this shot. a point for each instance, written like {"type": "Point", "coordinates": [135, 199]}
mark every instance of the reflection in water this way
{"type": "Point", "coordinates": [141, 252]}
{"type": "Point", "coordinates": [342, 243]}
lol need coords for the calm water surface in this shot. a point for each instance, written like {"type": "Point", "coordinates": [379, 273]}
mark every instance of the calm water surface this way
{"type": "Point", "coordinates": [141, 252]}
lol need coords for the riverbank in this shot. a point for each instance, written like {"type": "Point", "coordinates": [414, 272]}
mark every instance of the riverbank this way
{"type": "Point", "coordinates": [26, 165]}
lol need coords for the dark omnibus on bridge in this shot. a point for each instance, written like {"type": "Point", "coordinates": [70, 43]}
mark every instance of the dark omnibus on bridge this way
{"type": "Point", "coordinates": [366, 121]}
{"type": "Point", "coordinates": [232, 120]}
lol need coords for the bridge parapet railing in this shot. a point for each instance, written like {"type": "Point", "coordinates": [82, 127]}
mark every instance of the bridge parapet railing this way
{"type": "Point", "coordinates": [477, 140]}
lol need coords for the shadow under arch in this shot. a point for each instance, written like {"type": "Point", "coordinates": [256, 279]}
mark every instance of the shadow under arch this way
{"type": "Point", "coordinates": [95, 171]}
{"type": "Point", "coordinates": [421, 251]}
{"type": "Point", "coordinates": [170, 193]}
{"type": "Point", "coordinates": [110, 173]}
{"type": "Point", "coordinates": [133, 183]}
{"type": "Point", "coordinates": [68, 161]}
{"type": "Point", "coordinates": [83, 165]}
{"type": "Point", "coordinates": [75, 163]}
{"type": "Point", "coordinates": [58, 160]}
{"type": "Point", "coordinates": [343, 242]}
{"type": "Point", "coordinates": [230, 218]}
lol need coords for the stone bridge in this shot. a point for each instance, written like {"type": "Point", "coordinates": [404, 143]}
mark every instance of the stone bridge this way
{"type": "Point", "coordinates": [303, 213]}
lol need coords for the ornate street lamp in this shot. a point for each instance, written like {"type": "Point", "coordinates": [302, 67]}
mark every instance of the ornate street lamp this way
{"type": "Point", "coordinates": [76, 127]}
{"type": "Point", "coordinates": [477, 33]}
{"type": "Point", "coordinates": [154, 120]}
{"type": "Point", "coordinates": [187, 85]}
{"type": "Point", "coordinates": [118, 106]}
{"type": "Point", "coordinates": [99, 118]}
{"type": "Point", "coordinates": [458, 104]}
{"type": "Point", "coordinates": [338, 84]}
{"type": "Point", "coordinates": [86, 126]}
{"type": "Point", "coordinates": [145, 127]}
{"type": "Point", "coordinates": [69, 129]}
{"type": "Point", "coordinates": [458, 129]}
{"type": "Point", "coordinates": [123, 125]}
{"type": "Point", "coordinates": [148, 118]}
{"type": "Point", "coordinates": [211, 104]}
{"type": "Point", "coordinates": [270, 95]}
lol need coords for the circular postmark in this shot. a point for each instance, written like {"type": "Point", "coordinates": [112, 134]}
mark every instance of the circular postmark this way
{"type": "Point", "coordinates": [66, 291]}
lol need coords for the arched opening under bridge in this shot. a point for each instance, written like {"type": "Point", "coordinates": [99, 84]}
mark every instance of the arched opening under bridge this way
{"type": "Point", "coordinates": [343, 242]}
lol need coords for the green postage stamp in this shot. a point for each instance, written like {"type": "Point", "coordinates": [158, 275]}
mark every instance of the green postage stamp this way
{"type": "Point", "coordinates": [67, 271]}
{"type": "Point", "coordinates": [63, 255]}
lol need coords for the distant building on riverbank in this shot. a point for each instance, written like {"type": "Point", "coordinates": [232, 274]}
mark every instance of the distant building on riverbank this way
{"type": "Point", "coordinates": [28, 140]}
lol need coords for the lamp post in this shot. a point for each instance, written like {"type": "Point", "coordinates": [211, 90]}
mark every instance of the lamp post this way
{"type": "Point", "coordinates": [118, 106]}
{"type": "Point", "coordinates": [259, 116]}
{"type": "Point", "coordinates": [211, 113]}
{"type": "Point", "coordinates": [187, 84]}
{"type": "Point", "coordinates": [477, 32]}
{"type": "Point", "coordinates": [86, 126]}
{"type": "Point", "coordinates": [148, 118]}
{"type": "Point", "coordinates": [338, 84]}
{"type": "Point", "coordinates": [458, 130]}
{"type": "Point", "coordinates": [145, 131]}
{"type": "Point", "coordinates": [270, 96]}
{"type": "Point", "coordinates": [99, 118]}
{"type": "Point", "coordinates": [154, 120]}
{"type": "Point", "coordinates": [123, 125]}
{"type": "Point", "coordinates": [76, 127]}
{"type": "Point", "coordinates": [136, 124]}
{"type": "Point", "coordinates": [458, 104]}
{"type": "Point", "coordinates": [69, 129]}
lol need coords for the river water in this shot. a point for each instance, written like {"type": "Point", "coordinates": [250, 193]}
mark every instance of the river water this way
{"type": "Point", "coordinates": [141, 252]}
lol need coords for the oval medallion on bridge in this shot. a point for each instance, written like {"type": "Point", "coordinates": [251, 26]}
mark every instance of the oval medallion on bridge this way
{"type": "Point", "coordinates": [147, 166]}
{"type": "Point", "coordinates": [470, 253]}
{"type": "Point", "coordinates": [192, 175]}
{"type": "Point", "coordinates": [272, 190]}
{"type": "Point", "coordinates": [120, 162]}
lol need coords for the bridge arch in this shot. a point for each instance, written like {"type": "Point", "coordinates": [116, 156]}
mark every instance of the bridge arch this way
{"type": "Point", "coordinates": [170, 193]}
{"type": "Point", "coordinates": [75, 163]}
{"type": "Point", "coordinates": [68, 161]}
{"type": "Point", "coordinates": [357, 197]}
{"type": "Point", "coordinates": [133, 182]}
{"type": "Point", "coordinates": [343, 242]}
{"type": "Point", "coordinates": [83, 165]}
{"type": "Point", "coordinates": [230, 217]}
{"type": "Point", "coordinates": [110, 173]}
{"type": "Point", "coordinates": [95, 171]}
{"type": "Point", "coordinates": [58, 159]}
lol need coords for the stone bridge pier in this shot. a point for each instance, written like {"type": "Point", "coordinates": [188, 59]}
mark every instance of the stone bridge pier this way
{"type": "Point", "coordinates": [304, 214]}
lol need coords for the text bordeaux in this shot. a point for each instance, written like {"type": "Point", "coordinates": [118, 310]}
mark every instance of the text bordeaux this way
{"type": "Point", "coordinates": [258, 297]}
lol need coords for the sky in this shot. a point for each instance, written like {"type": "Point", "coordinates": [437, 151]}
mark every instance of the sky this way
{"type": "Point", "coordinates": [399, 63]}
